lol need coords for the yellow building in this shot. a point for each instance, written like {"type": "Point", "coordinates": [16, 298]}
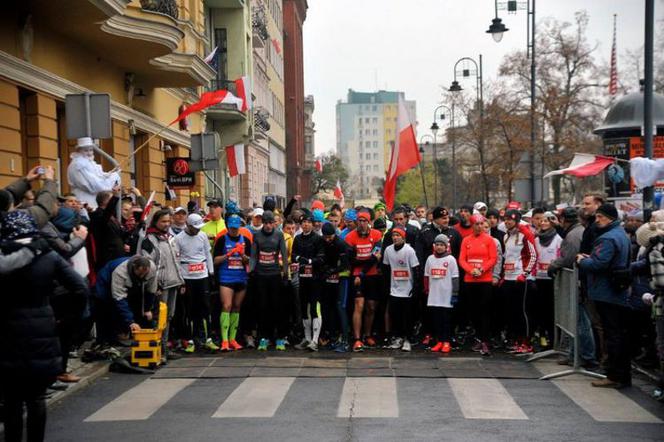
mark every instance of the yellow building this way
{"type": "Point", "coordinates": [148, 55]}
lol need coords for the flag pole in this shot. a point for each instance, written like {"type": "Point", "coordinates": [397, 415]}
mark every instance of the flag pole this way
{"type": "Point", "coordinates": [152, 137]}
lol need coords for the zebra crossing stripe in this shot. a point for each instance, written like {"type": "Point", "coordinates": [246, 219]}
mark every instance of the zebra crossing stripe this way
{"type": "Point", "coordinates": [141, 401]}
{"type": "Point", "coordinates": [369, 397]}
{"type": "Point", "coordinates": [485, 399]}
{"type": "Point", "coordinates": [255, 397]}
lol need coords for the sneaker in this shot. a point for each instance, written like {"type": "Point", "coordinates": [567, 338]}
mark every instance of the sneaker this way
{"type": "Point", "coordinates": [224, 346]}
{"type": "Point", "coordinates": [210, 345]}
{"type": "Point", "coordinates": [280, 345]}
{"type": "Point", "coordinates": [438, 347]}
{"type": "Point", "coordinates": [370, 342]}
{"type": "Point", "coordinates": [524, 349]}
{"type": "Point", "coordinates": [477, 347]}
{"type": "Point", "coordinates": [427, 340]}
{"type": "Point", "coordinates": [234, 345]}
{"type": "Point", "coordinates": [406, 345]}
{"type": "Point", "coordinates": [544, 343]}
{"type": "Point", "coordinates": [484, 351]}
{"type": "Point", "coordinates": [395, 344]}
{"type": "Point", "coordinates": [324, 342]}
{"type": "Point", "coordinates": [250, 341]}
{"type": "Point", "coordinates": [262, 345]}
{"type": "Point", "coordinates": [358, 346]}
{"type": "Point", "coordinates": [68, 378]}
{"type": "Point", "coordinates": [172, 356]}
{"type": "Point", "coordinates": [446, 347]}
{"type": "Point", "coordinates": [608, 383]}
{"type": "Point", "coordinates": [313, 346]}
{"type": "Point", "coordinates": [190, 348]}
{"type": "Point", "coordinates": [342, 347]}
{"type": "Point", "coordinates": [302, 345]}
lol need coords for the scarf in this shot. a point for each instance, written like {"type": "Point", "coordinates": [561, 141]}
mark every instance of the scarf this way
{"type": "Point", "coordinates": [161, 236]}
{"type": "Point", "coordinates": [546, 236]}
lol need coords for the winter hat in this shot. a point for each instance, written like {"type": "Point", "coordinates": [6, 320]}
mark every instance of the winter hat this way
{"type": "Point", "coordinates": [379, 206]}
{"type": "Point", "coordinates": [493, 212]}
{"type": "Point", "coordinates": [6, 200]}
{"type": "Point", "coordinates": [317, 204]}
{"type": "Point", "coordinates": [350, 215]}
{"type": "Point", "coordinates": [328, 229]}
{"type": "Point", "coordinates": [400, 231]}
{"type": "Point", "coordinates": [268, 216]}
{"type": "Point", "coordinates": [514, 215]}
{"type": "Point", "coordinates": [440, 212]}
{"type": "Point", "coordinates": [608, 210]}
{"type": "Point", "coordinates": [442, 238]}
{"type": "Point", "coordinates": [18, 224]}
{"type": "Point", "coordinates": [379, 223]}
{"type": "Point", "coordinates": [550, 216]}
{"type": "Point", "coordinates": [570, 214]}
{"type": "Point", "coordinates": [467, 207]}
{"type": "Point", "coordinates": [364, 215]}
{"type": "Point", "coordinates": [231, 207]}
{"type": "Point", "coordinates": [657, 216]}
{"type": "Point", "coordinates": [318, 216]}
{"type": "Point", "coordinates": [269, 204]}
{"type": "Point", "coordinates": [513, 205]}
{"type": "Point", "coordinates": [648, 231]}
{"type": "Point", "coordinates": [306, 217]}
{"type": "Point", "coordinates": [477, 218]}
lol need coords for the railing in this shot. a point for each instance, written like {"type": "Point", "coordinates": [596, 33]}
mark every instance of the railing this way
{"type": "Point", "coordinates": [168, 7]}
{"type": "Point", "coordinates": [216, 84]}
{"type": "Point", "coordinates": [261, 120]}
{"type": "Point", "coordinates": [259, 22]}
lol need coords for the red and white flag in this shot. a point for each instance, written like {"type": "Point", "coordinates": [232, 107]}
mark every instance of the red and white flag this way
{"type": "Point", "coordinates": [583, 165]}
{"type": "Point", "coordinates": [209, 99]}
{"type": "Point", "coordinates": [148, 206]}
{"type": "Point", "coordinates": [235, 160]}
{"type": "Point", "coordinates": [405, 154]}
{"type": "Point", "coordinates": [208, 58]}
{"type": "Point", "coordinates": [319, 166]}
{"type": "Point", "coordinates": [338, 193]}
{"type": "Point", "coordinates": [613, 76]}
{"type": "Point", "coordinates": [243, 87]}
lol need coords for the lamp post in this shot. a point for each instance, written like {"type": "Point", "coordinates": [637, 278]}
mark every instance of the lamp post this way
{"type": "Point", "coordinates": [456, 87]}
{"type": "Point", "coordinates": [434, 129]}
{"type": "Point", "coordinates": [496, 30]}
{"type": "Point", "coordinates": [424, 186]}
{"type": "Point", "coordinates": [648, 192]}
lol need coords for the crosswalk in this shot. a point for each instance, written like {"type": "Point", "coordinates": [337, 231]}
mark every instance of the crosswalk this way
{"type": "Point", "coordinates": [377, 398]}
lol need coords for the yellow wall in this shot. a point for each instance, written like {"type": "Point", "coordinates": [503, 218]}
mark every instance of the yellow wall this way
{"type": "Point", "coordinates": [390, 129]}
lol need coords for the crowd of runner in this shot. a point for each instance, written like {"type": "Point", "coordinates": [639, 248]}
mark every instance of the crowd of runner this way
{"type": "Point", "coordinates": [316, 277]}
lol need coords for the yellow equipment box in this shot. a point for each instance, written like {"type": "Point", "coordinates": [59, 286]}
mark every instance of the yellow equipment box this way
{"type": "Point", "coordinates": [146, 344]}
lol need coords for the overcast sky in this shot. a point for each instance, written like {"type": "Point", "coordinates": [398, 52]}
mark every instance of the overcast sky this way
{"type": "Point", "coordinates": [412, 45]}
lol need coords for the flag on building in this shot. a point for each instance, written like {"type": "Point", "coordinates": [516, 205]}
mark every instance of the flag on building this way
{"type": "Point", "coordinates": [584, 165]}
{"type": "Point", "coordinates": [277, 46]}
{"type": "Point", "coordinates": [235, 160]}
{"type": "Point", "coordinates": [613, 76]}
{"type": "Point", "coordinates": [319, 166]}
{"type": "Point", "coordinates": [209, 99]}
{"type": "Point", "coordinates": [243, 88]}
{"type": "Point", "coordinates": [405, 154]}
{"type": "Point", "coordinates": [338, 193]}
{"type": "Point", "coordinates": [208, 58]}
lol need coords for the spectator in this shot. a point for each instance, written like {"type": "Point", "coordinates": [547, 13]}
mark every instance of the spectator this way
{"type": "Point", "coordinates": [133, 287]}
{"type": "Point", "coordinates": [106, 230]}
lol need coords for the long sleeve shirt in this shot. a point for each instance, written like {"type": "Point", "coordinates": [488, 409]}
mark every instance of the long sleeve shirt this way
{"type": "Point", "coordinates": [478, 252]}
{"type": "Point", "coordinates": [266, 250]}
{"type": "Point", "coordinates": [193, 252]}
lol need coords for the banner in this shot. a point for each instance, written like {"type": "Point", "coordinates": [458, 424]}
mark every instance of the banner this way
{"type": "Point", "coordinates": [179, 174]}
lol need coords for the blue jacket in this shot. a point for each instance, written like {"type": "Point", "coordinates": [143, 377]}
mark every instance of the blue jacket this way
{"type": "Point", "coordinates": [610, 251]}
{"type": "Point", "coordinates": [103, 286]}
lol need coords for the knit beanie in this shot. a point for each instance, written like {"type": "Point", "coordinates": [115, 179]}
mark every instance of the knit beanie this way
{"type": "Point", "coordinates": [608, 210]}
{"type": "Point", "coordinates": [648, 231]}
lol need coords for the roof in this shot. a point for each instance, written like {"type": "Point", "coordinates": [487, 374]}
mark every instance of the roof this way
{"type": "Point", "coordinates": [627, 113]}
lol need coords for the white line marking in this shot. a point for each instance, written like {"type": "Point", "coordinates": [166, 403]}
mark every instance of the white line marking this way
{"type": "Point", "coordinates": [485, 399]}
{"type": "Point", "coordinates": [255, 397]}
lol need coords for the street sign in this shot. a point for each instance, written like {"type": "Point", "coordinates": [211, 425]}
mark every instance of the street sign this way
{"type": "Point", "coordinates": [88, 115]}
{"type": "Point", "coordinates": [179, 174]}
{"type": "Point", "coordinates": [204, 151]}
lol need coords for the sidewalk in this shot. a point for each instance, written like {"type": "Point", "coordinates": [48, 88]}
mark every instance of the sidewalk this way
{"type": "Point", "coordinates": [88, 372]}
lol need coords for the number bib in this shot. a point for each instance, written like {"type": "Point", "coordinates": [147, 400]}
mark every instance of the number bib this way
{"type": "Point", "coordinates": [543, 266]}
{"type": "Point", "coordinates": [476, 263]}
{"type": "Point", "coordinates": [438, 273]}
{"type": "Point", "coordinates": [333, 279]}
{"type": "Point", "coordinates": [199, 267]}
{"type": "Point", "coordinates": [307, 271]}
{"type": "Point", "coordinates": [293, 268]}
{"type": "Point", "coordinates": [266, 257]}
{"type": "Point", "coordinates": [401, 275]}
{"type": "Point", "coordinates": [510, 266]}
{"type": "Point", "coordinates": [363, 251]}
{"type": "Point", "coordinates": [235, 263]}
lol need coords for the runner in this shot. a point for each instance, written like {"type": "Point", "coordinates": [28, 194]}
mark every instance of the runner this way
{"type": "Point", "coordinates": [465, 227]}
{"type": "Point", "coordinates": [335, 288]}
{"type": "Point", "coordinates": [231, 256]}
{"type": "Point", "coordinates": [441, 283]}
{"type": "Point", "coordinates": [365, 244]}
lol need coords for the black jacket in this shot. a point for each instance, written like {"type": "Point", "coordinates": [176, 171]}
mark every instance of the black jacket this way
{"type": "Point", "coordinates": [30, 346]}
{"type": "Point", "coordinates": [107, 234]}
{"type": "Point", "coordinates": [308, 249]}
{"type": "Point", "coordinates": [429, 233]}
{"type": "Point", "coordinates": [336, 258]}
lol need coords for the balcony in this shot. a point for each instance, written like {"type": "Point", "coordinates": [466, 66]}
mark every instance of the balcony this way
{"type": "Point", "coordinates": [224, 111]}
{"type": "Point", "coordinates": [261, 123]}
{"type": "Point", "coordinates": [168, 7]}
{"type": "Point", "coordinates": [259, 27]}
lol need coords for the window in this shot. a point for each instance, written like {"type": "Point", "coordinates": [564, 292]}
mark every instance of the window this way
{"type": "Point", "coordinates": [374, 108]}
{"type": "Point", "coordinates": [367, 156]}
{"type": "Point", "coordinates": [375, 131]}
{"type": "Point", "coordinates": [367, 132]}
{"type": "Point", "coordinates": [375, 156]}
{"type": "Point", "coordinates": [221, 56]}
{"type": "Point", "coordinates": [367, 144]}
{"type": "Point", "coordinates": [374, 120]}
{"type": "Point", "coordinates": [375, 168]}
{"type": "Point", "coordinates": [366, 120]}
{"type": "Point", "coordinates": [368, 168]}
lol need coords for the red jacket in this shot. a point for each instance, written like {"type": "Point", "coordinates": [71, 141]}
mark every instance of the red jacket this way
{"type": "Point", "coordinates": [478, 252]}
{"type": "Point", "coordinates": [464, 231]}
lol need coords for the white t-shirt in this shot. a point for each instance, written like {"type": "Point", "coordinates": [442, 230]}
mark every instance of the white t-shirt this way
{"type": "Point", "coordinates": [440, 271]}
{"type": "Point", "coordinates": [401, 263]}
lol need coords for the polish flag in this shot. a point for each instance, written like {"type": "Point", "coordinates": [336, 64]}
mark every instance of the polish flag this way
{"type": "Point", "coordinates": [235, 160]}
{"type": "Point", "coordinates": [583, 165]}
{"type": "Point", "coordinates": [319, 166]}
{"type": "Point", "coordinates": [208, 59]}
{"type": "Point", "coordinates": [209, 99]}
{"type": "Point", "coordinates": [148, 206]}
{"type": "Point", "coordinates": [405, 154]}
{"type": "Point", "coordinates": [338, 193]}
{"type": "Point", "coordinates": [243, 87]}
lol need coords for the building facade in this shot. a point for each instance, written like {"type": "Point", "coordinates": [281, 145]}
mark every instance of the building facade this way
{"type": "Point", "coordinates": [309, 131]}
{"type": "Point", "coordinates": [366, 131]}
{"type": "Point", "coordinates": [51, 49]}
{"type": "Point", "coordinates": [297, 170]}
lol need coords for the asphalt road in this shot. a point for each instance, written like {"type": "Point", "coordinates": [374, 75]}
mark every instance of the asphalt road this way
{"type": "Point", "coordinates": [477, 400]}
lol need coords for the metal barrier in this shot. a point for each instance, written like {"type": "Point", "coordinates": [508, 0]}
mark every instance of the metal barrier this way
{"type": "Point", "coordinates": [566, 315]}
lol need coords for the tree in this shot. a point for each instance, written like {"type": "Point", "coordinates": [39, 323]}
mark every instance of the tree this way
{"type": "Point", "coordinates": [333, 170]}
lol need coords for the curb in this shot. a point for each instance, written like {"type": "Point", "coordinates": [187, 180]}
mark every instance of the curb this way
{"type": "Point", "coordinates": [89, 374]}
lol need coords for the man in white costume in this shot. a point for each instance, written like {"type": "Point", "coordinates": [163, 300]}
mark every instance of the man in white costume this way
{"type": "Point", "coordinates": [85, 175]}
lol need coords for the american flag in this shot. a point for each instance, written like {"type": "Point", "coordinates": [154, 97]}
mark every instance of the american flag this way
{"type": "Point", "coordinates": [613, 80]}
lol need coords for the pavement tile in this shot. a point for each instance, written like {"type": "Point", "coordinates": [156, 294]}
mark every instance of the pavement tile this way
{"type": "Point", "coordinates": [370, 372]}
{"type": "Point", "coordinates": [418, 373]}
{"type": "Point", "coordinates": [275, 372]}
{"type": "Point", "coordinates": [511, 369]}
{"type": "Point", "coordinates": [226, 372]}
{"type": "Point", "coordinates": [462, 368]}
{"type": "Point", "coordinates": [310, 372]}
{"type": "Point", "coordinates": [183, 372]}
{"type": "Point", "coordinates": [369, 363]}
{"type": "Point", "coordinates": [234, 362]}
{"type": "Point", "coordinates": [191, 362]}
{"type": "Point", "coordinates": [281, 362]}
{"type": "Point", "coordinates": [415, 363]}
{"type": "Point", "coordinates": [325, 363]}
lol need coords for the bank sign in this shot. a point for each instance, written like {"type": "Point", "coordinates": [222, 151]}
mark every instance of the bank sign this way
{"type": "Point", "coordinates": [179, 174]}
{"type": "Point", "coordinates": [625, 149]}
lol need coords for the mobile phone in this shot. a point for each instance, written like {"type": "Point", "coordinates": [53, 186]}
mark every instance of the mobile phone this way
{"type": "Point", "coordinates": [41, 170]}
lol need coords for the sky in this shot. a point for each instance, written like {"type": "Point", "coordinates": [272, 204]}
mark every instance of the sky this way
{"type": "Point", "coordinates": [412, 45]}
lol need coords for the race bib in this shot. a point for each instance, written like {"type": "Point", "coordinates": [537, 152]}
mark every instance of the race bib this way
{"type": "Point", "coordinates": [363, 251]}
{"type": "Point", "coordinates": [197, 268]}
{"type": "Point", "coordinates": [543, 266]}
{"type": "Point", "coordinates": [235, 263]}
{"type": "Point", "coordinates": [438, 273]}
{"type": "Point", "coordinates": [401, 275]}
{"type": "Point", "coordinates": [333, 279]}
{"type": "Point", "coordinates": [266, 257]}
{"type": "Point", "coordinates": [476, 263]}
{"type": "Point", "coordinates": [293, 268]}
{"type": "Point", "coordinates": [510, 266]}
{"type": "Point", "coordinates": [307, 271]}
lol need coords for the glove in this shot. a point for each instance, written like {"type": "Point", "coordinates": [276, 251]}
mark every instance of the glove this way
{"type": "Point", "coordinates": [521, 278]}
{"type": "Point", "coordinates": [38, 246]}
{"type": "Point", "coordinates": [648, 298]}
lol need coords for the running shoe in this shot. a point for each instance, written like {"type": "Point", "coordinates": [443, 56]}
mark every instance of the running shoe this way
{"type": "Point", "coordinates": [225, 346]}
{"type": "Point", "coordinates": [544, 343]}
{"type": "Point", "coordinates": [190, 348]}
{"type": "Point", "coordinates": [280, 345]}
{"type": "Point", "coordinates": [358, 346]}
{"type": "Point", "coordinates": [437, 347]}
{"type": "Point", "coordinates": [250, 341]}
{"type": "Point", "coordinates": [524, 349]}
{"type": "Point", "coordinates": [370, 341]}
{"type": "Point", "coordinates": [484, 351]}
{"type": "Point", "coordinates": [446, 347]}
{"type": "Point", "coordinates": [342, 347]}
{"type": "Point", "coordinates": [234, 345]}
{"type": "Point", "coordinates": [313, 346]}
{"type": "Point", "coordinates": [406, 345]}
{"type": "Point", "coordinates": [302, 345]}
{"type": "Point", "coordinates": [324, 342]}
{"type": "Point", "coordinates": [395, 344]}
{"type": "Point", "coordinates": [210, 345]}
{"type": "Point", "coordinates": [427, 340]}
{"type": "Point", "coordinates": [262, 345]}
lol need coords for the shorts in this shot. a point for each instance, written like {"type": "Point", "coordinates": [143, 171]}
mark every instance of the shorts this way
{"type": "Point", "coordinates": [371, 288]}
{"type": "Point", "coordinates": [235, 286]}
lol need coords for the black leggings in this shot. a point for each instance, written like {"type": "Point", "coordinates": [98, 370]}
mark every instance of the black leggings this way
{"type": "Point", "coordinates": [479, 300]}
{"type": "Point", "coordinates": [310, 297]}
{"type": "Point", "coordinates": [329, 309]}
{"type": "Point", "coordinates": [400, 316]}
{"type": "Point", "coordinates": [442, 322]}
{"type": "Point", "coordinates": [31, 393]}
{"type": "Point", "coordinates": [271, 306]}
{"type": "Point", "coordinates": [195, 309]}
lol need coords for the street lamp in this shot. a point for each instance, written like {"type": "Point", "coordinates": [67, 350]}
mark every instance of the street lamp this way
{"type": "Point", "coordinates": [497, 28]}
{"type": "Point", "coordinates": [456, 87]}
{"type": "Point", "coordinates": [424, 186]}
{"type": "Point", "coordinates": [434, 129]}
